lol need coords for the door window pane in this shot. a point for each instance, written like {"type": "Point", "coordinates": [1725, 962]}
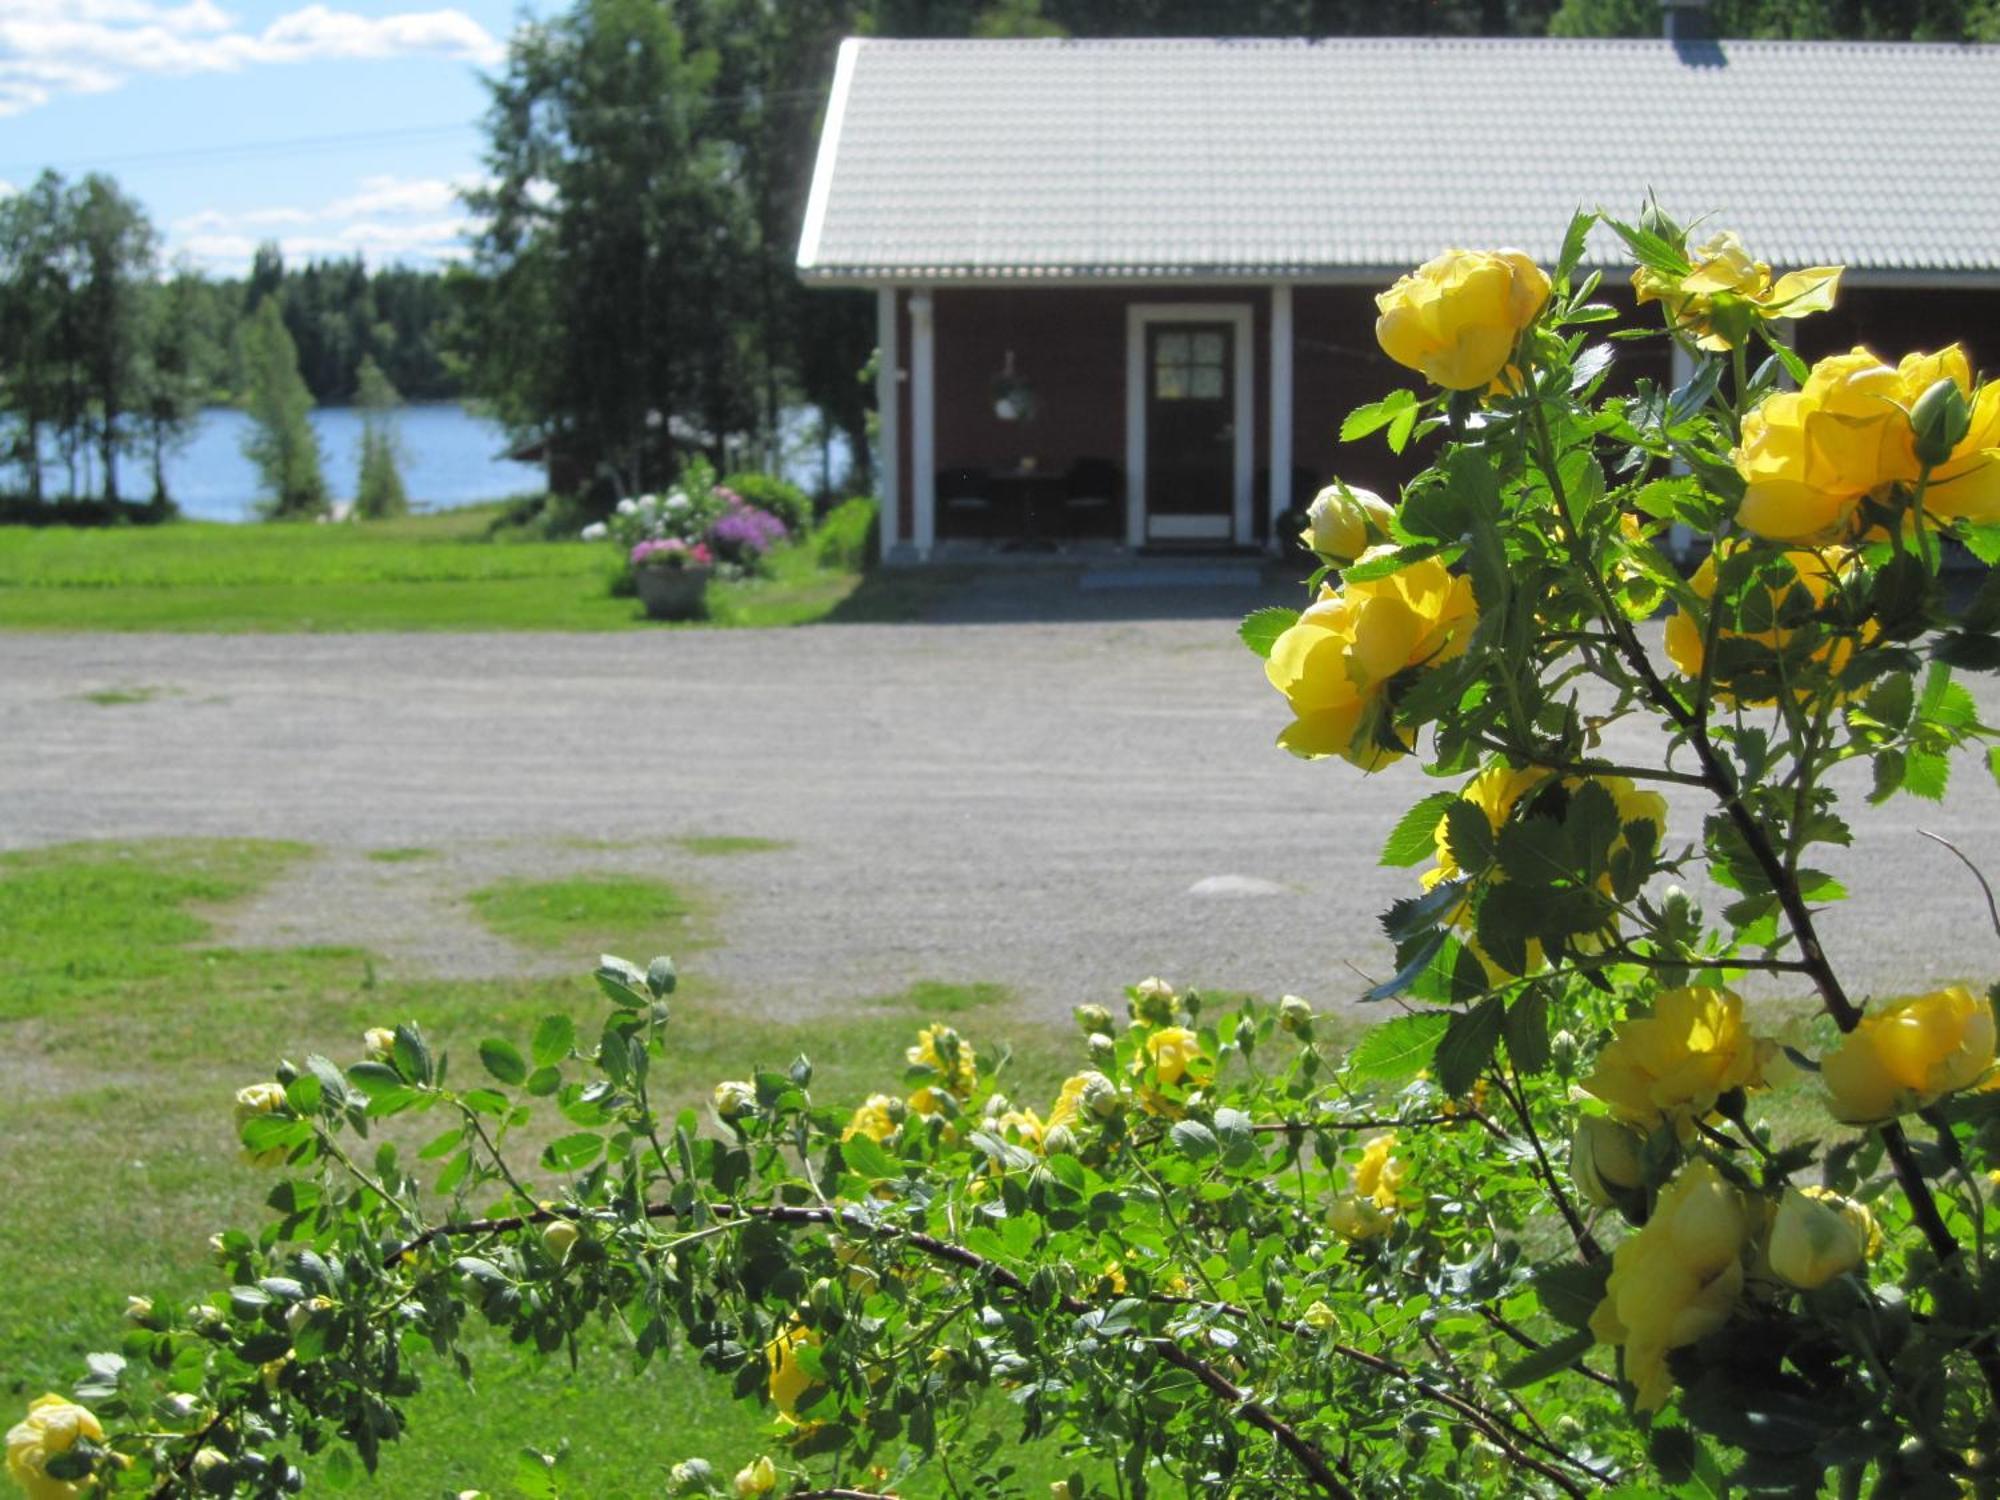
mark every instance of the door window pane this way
{"type": "Point", "coordinates": [1205, 382]}
{"type": "Point", "coordinates": [1191, 365]}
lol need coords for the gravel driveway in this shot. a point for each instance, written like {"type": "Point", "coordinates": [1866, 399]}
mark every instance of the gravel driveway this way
{"type": "Point", "coordinates": [1059, 807]}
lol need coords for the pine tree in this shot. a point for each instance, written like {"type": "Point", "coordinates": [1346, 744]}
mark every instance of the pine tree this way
{"type": "Point", "coordinates": [282, 445]}
{"type": "Point", "coordinates": [378, 491]}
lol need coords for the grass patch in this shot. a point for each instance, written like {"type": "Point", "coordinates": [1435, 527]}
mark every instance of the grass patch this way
{"type": "Point", "coordinates": [117, 1158]}
{"type": "Point", "coordinates": [449, 571]}
{"type": "Point", "coordinates": [937, 998]}
{"type": "Point", "coordinates": [712, 844]}
{"type": "Point", "coordinates": [587, 912]}
{"type": "Point", "coordinates": [118, 697]}
{"type": "Point", "coordinates": [400, 856]}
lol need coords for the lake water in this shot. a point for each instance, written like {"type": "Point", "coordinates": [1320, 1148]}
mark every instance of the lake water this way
{"type": "Point", "coordinates": [450, 457]}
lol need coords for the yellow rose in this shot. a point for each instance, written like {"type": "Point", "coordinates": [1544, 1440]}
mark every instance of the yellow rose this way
{"type": "Point", "coordinates": [947, 1053]}
{"type": "Point", "coordinates": [1354, 1217]}
{"type": "Point", "coordinates": [876, 1118]}
{"type": "Point", "coordinates": [1604, 1160]}
{"type": "Point", "coordinates": [1676, 1280]}
{"type": "Point", "coordinates": [734, 1099]}
{"type": "Point", "coordinates": [1335, 664]}
{"type": "Point", "coordinates": [1725, 291]}
{"type": "Point", "coordinates": [1909, 1055]}
{"type": "Point", "coordinates": [1344, 521]}
{"type": "Point", "coordinates": [1966, 486]}
{"type": "Point", "coordinates": [259, 1099]}
{"type": "Point", "coordinates": [788, 1378]}
{"type": "Point", "coordinates": [1815, 571]}
{"type": "Point", "coordinates": [1321, 1318]}
{"type": "Point", "coordinates": [53, 1426]}
{"type": "Point", "coordinates": [1378, 1174]}
{"type": "Point", "coordinates": [1818, 1235]}
{"type": "Point", "coordinates": [1023, 1124]}
{"type": "Point", "coordinates": [1175, 1052]}
{"type": "Point", "coordinates": [1673, 1065]}
{"type": "Point", "coordinates": [1456, 318]}
{"type": "Point", "coordinates": [758, 1478]}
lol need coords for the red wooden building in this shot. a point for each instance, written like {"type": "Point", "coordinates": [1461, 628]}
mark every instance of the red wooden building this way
{"type": "Point", "coordinates": [1125, 288]}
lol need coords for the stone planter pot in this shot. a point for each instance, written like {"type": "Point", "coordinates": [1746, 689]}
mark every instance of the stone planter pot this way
{"type": "Point", "coordinates": [674, 593]}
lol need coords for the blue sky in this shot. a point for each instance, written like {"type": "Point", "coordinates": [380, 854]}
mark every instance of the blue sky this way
{"type": "Point", "coordinates": [330, 126]}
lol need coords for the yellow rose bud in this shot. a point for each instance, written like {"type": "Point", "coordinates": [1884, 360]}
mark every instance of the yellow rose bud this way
{"type": "Point", "coordinates": [1676, 1280]}
{"type": "Point", "coordinates": [1909, 1055]}
{"type": "Point", "coordinates": [1058, 1140]}
{"type": "Point", "coordinates": [1153, 1002]}
{"type": "Point", "coordinates": [1335, 664]}
{"type": "Point", "coordinates": [1084, 1094]}
{"type": "Point", "coordinates": [51, 1428]}
{"type": "Point", "coordinates": [1093, 1018]}
{"type": "Point", "coordinates": [251, 1102]}
{"type": "Point", "coordinates": [758, 1478]}
{"type": "Point", "coordinates": [733, 1099]}
{"type": "Point", "coordinates": [139, 1310]}
{"type": "Point", "coordinates": [1354, 1217]}
{"type": "Point", "coordinates": [1604, 1160]}
{"type": "Point", "coordinates": [1321, 1318]}
{"type": "Point", "coordinates": [1344, 521]}
{"type": "Point", "coordinates": [1102, 1049]}
{"type": "Point", "coordinates": [1818, 1235]}
{"type": "Point", "coordinates": [559, 1237]}
{"type": "Point", "coordinates": [1295, 1015]}
{"type": "Point", "coordinates": [1059, 1489]}
{"type": "Point", "coordinates": [1456, 318]}
{"type": "Point", "coordinates": [380, 1043]}
{"type": "Point", "coordinates": [208, 1460]}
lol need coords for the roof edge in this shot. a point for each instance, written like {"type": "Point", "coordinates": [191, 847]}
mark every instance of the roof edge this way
{"type": "Point", "coordinates": [829, 149]}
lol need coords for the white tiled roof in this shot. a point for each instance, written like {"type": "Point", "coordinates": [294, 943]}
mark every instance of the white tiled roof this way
{"type": "Point", "coordinates": [956, 159]}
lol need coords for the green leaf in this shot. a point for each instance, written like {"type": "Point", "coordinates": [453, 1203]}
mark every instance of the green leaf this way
{"type": "Point", "coordinates": [554, 1038]}
{"type": "Point", "coordinates": [1467, 1046]}
{"type": "Point", "coordinates": [1414, 838]}
{"type": "Point", "coordinates": [1548, 1360]}
{"type": "Point", "coordinates": [1535, 851]}
{"type": "Point", "coordinates": [1377, 415]}
{"type": "Point", "coordinates": [502, 1060]}
{"type": "Point", "coordinates": [1470, 833]}
{"type": "Point", "coordinates": [1574, 239]}
{"type": "Point", "coordinates": [1570, 1290]}
{"type": "Point", "coordinates": [1195, 1140]}
{"type": "Point", "coordinates": [1262, 627]}
{"type": "Point", "coordinates": [1397, 1049]}
{"type": "Point", "coordinates": [623, 981]}
{"type": "Point", "coordinates": [1925, 775]}
{"type": "Point", "coordinates": [572, 1153]}
{"type": "Point", "coordinates": [866, 1158]}
{"type": "Point", "coordinates": [1527, 1030]}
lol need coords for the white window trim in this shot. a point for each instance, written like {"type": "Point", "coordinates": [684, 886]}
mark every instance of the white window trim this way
{"type": "Point", "coordinates": [1138, 315]}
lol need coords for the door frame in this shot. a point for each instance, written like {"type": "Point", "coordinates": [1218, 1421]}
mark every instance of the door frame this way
{"type": "Point", "coordinates": [1138, 315]}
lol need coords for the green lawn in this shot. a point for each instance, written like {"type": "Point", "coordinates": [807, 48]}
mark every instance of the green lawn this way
{"type": "Point", "coordinates": [124, 1034]}
{"type": "Point", "coordinates": [448, 571]}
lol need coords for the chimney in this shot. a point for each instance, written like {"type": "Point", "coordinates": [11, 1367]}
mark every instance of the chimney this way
{"type": "Point", "coordinates": [1685, 21]}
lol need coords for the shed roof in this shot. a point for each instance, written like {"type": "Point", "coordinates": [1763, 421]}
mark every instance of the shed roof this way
{"type": "Point", "coordinates": [1357, 157]}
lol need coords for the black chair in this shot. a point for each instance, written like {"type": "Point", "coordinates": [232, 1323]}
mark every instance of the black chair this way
{"type": "Point", "coordinates": [1093, 499]}
{"type": "Point", "coordinates": [965, 505]}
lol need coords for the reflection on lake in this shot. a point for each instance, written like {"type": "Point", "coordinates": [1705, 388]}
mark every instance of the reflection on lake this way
{"type": "Point", "coordinates": [449, 457]}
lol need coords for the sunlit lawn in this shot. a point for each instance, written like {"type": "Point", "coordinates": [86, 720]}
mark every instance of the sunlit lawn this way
{"type": "Point", "coordinates": [438, 572]}
{"type": "Point", "coordinates": [123, 1038]}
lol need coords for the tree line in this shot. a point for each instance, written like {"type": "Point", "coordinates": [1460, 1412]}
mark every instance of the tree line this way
{"type": "Point", "coordinates": [108, 355]}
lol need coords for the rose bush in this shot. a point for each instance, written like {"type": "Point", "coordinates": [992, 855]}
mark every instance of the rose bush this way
{"type": "Point", "coordinates": [1240, 1249]}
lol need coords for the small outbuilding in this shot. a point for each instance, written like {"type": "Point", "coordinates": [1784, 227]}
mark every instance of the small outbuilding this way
{"type": "Point", "coordinates": [1126, 288]}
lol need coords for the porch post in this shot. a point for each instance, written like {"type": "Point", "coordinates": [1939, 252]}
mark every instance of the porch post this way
{"type": "Point", "coordinates": [923, 423]}
{"type": "Point", "coordinates": [889, 414]}
{"type": "Point", "coordinates": [1281, 404]}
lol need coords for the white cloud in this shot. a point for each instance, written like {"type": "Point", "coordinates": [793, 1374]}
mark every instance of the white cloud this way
{"type": "Point", "coordinates": [417, 220]}
{"type": "Point", "coordinates": [48, 47]}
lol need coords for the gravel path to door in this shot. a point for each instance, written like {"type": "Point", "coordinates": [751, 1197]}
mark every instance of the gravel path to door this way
{"type": "Point", "coordinates": [1059, 807]}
